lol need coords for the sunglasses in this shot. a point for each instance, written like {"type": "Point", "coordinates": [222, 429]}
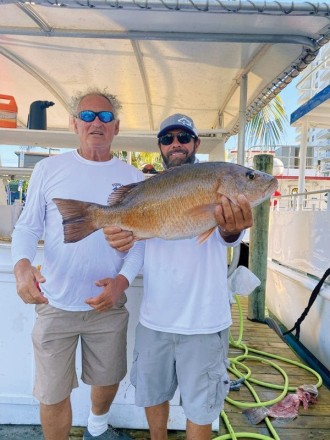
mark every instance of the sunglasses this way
{"type": "Point", "coordinates": [89, 116]}
{"type": "Point", "coordinates": [182, 137]}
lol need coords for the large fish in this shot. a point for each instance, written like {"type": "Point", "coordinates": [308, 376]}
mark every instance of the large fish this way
{"type": "Point", "coordinates": [178, 203]}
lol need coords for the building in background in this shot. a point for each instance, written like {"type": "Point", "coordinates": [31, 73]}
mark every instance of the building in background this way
{"type": "Point", "coordinates": [28, 159]}
{"type": "Point", "coordinates": [314, 79]}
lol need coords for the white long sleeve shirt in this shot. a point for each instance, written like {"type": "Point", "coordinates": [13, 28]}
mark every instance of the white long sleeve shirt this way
{"type": "Point", "coordinates": [70, 269]}
{"type": "Point", "coordinates": [185, 284]}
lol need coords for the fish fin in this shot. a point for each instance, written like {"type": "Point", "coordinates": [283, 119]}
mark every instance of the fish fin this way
{"type": "Point", "coordinates": [205, 235]}
{"type": "Point", "coordinates": [220, 189]}
{"type": "Point", "coordinates": [77, 217]}
{"type": "Point", "coordinates": [119, 194]}
{"type": "Point", "coordinates": [136, 238]}
{"type": "Point", "coordinates": [201, 210]}
{"type": "Point", "coordinates": [169, 170]}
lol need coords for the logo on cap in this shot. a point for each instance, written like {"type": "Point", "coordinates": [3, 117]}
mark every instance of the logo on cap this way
{"type": "Point", "coordinates": [185, 121]}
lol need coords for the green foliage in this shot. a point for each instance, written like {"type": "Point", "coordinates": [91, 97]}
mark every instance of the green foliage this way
{"type": "Point", "coordinates": [267, 128]}
{"type": "Point", "coordinates": [143, 158]}
{"type": "Point", "coordinates": [139, 159]}
{"type": "Point", "coordinates": [122, 155]}
{"type": "Point", "coordinates": [13, 185]}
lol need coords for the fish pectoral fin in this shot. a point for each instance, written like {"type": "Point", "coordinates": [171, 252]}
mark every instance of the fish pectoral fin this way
{"type": "Point", "coordinates": [226, 183]}
{"type": "Point", "coordinates": [205, 235]}
{"type": "Point", "coordinates": [202, 210]}
{"type": "Point", "coordinates": [230, 197]}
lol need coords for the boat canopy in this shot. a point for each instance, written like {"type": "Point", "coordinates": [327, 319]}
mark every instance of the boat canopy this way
{"type": "Point", "coordinates": [159, 57]}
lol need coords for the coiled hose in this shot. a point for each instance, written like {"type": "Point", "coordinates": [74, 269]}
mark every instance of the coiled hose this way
{"type": "Point", "coordinates": [237, 366]}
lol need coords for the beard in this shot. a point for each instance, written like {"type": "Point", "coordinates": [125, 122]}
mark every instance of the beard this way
{"type": "Point", "coordinates": [174, 161]}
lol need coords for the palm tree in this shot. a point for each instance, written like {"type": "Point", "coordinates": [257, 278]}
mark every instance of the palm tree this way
{"type": "Point", "coordinates": [267, 127]}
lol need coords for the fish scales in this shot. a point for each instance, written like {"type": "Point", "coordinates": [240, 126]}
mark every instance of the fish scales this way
{"type": "Point", "coordinates": [165, 203]}
{"type": "Point", "coordinates": [178, 203]}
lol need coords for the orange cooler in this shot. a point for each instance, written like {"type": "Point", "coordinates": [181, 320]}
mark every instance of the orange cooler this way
{"type": "Point", "coordinates": [8, 111]}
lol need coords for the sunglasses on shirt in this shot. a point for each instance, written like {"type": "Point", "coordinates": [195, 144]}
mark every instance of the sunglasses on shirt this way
{"type": "Point", "coordinates": [182, 137]}
{"type": "Point", "coordinates": [89, 116]}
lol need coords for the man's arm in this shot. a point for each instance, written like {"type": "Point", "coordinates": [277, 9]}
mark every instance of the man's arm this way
{"type": "Point", "coordinates": [132, 264]}
{"type": "Point", "coordinates": [28, 230]}
{"type": "Point", "coordinates": [113, 288]}
{"type": "Point", "coordinates": [28, 279]}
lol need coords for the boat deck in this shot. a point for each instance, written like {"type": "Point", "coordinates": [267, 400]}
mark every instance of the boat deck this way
{"type": "Point", "coordinates": [312, 423]}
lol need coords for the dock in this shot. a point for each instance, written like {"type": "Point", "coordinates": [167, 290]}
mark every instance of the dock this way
{"type": "Point", "coordinates": [312, 423]}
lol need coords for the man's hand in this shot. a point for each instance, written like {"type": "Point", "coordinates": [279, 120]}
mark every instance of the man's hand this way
{"type": "Point", "coordinates": [233, 219]}
{"type": "Point", "coordinates": [28, 279]}
{"type": "Point", "coordinates": [118, 238]}
{"type": "Point", "coordinates": [113, 288]}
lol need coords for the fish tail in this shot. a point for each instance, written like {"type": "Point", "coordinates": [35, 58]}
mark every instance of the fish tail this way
{"type": "Point", "coordinates": [78, 219]}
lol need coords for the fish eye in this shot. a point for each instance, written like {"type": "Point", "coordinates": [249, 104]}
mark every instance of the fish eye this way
{"type": "Point", "coordinates": [250, 175]}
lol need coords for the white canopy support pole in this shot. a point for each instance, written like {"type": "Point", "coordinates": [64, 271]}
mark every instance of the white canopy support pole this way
{"type": "Point", "coordinates": [302, 163]}
{"type": "Point", "coordinates": [242, 121]}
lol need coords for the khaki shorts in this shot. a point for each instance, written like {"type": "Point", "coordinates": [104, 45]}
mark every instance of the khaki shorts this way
{"type": "Point", "coordinates": [55, 337]}
{"type": "Point", "coordinates": [197, 364]}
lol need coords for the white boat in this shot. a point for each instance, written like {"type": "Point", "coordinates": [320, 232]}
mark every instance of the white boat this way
{"type": "Point", "coordinates": [219, 62]}
{"type": "Point", "coordinates": [299, 251]}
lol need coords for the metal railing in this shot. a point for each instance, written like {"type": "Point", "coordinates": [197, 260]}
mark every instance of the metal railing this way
{"type": "Point", "coordinates": [307, 201]}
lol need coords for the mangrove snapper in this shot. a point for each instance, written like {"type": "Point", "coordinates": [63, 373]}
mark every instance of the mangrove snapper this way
{"type": "Point", "coordinates": [177, 203]}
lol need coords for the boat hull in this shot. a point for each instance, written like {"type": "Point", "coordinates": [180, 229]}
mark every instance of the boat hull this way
{"type": "Point", "coordinates": [298, 256]}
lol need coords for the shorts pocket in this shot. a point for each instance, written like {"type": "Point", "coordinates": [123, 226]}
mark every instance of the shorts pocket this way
{"type": "Point", "coordinates": [218, 388]}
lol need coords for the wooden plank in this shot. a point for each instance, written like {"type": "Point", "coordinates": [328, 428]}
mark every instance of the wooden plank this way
{"type": "Point", "coordinates": [313, 423]}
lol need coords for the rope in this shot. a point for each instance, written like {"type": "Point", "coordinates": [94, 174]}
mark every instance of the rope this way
{"type": "Point", "coordinates": [312, 298]}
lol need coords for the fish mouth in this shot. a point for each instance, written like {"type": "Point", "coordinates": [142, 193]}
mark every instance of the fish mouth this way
{"type": "Point", "coordinates": [267, 193]}
{"type": "Point", "coordinates": [273, 185]}
{"type": "Point", "coordinates": [270, 189]}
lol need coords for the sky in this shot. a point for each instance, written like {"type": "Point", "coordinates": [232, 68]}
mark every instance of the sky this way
{"type": "Point", "coordinates": [290, 100]}
{"type": "Point", "coordinates": [289, 96]}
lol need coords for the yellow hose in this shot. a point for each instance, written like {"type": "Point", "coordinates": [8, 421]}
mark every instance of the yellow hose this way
{"type": "Point", "coordinates": [236, 368]}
